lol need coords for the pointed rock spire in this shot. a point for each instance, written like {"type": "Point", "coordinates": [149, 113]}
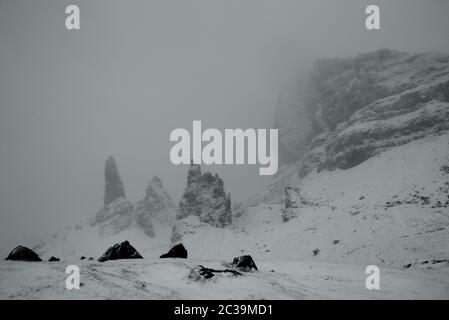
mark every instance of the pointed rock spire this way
{"type": "Point", "coordinates": [113, 183]}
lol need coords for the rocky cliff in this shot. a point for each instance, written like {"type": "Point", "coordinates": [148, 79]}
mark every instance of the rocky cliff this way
{"type": "Point", "coordinates": [365, 105]}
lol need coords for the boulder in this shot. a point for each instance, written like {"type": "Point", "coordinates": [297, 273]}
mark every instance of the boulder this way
{"type": "Point", "coordinates": [82, 258]}
{"type": "Point", "coordinates": [122, 250]}
{"type": "Point", "coordinates": [53, 259]}
{"type": "Point", "coordinates": [21, 253]}
{"type": "Point", "coordinates": [245, 263]}
{"type": "Point", "coordinates": [178, 251]}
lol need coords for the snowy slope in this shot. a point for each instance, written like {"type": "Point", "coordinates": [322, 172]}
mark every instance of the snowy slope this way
{"type": "Point", "coordinates": [147, 225]}
{"type": "Point", "coordinates": [370, 214]}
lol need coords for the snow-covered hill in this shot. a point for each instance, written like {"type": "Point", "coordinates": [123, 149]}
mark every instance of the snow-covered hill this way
{"type": "Point", "coordinates": [391, 210]}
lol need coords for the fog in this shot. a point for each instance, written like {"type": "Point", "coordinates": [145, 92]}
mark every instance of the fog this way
{"type": "Point", "coordinates": [139, 69]}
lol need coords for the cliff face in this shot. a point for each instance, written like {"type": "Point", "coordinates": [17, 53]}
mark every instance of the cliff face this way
{"type": "Point", "coordinates": [364, 105]}
{"type": "Point", "coordinates": [356, 108]}
{"type": "Point", "coordinates": [373, 102]}
{"type": "Point", "coordinates": [370, 182]}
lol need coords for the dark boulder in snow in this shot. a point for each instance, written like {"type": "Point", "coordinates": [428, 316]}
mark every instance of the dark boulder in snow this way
{"type": "Point", "coordinates": [122, 250]}
{"type": "Point", "coordinates": [82, 258]}
{"type": "Point", "coordinates": [52, 259]}
{"type": "Point", "coordinates": [244, 262]}
{"type": "Point", "coordinates": [21, 253]}
{"type": "Point", "coordinates": [201, 273]}
{"type": "Point", "coordinates": [178, 251]}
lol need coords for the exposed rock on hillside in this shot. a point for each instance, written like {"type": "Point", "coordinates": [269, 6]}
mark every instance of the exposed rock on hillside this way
{"type": "Point", "coordinates": [206, 198]}
{"type": "Point", "coordinates": [373, 102]}
{"type": "Point", "coordinates": [293, 199]}
{"type": "Point", "coordinates": [367, 104]}
{"type": "Point", "coordinates": [157, 205]}
{"type": "Point", "coordinates": [201, 273]}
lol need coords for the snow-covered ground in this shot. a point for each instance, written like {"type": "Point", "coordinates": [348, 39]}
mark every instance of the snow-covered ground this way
{"type": "Point", "coordinates": [370, 214]}
{"type": "Point", "coordinates": [169, 279]}
{"type": "Point", "coordinates": [389, 211]}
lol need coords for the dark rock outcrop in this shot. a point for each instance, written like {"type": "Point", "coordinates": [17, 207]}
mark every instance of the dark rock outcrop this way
{"type": "Point", "coordinates": [201, 273]}
{"type": "Point", "coordinates": [178, 251]}
{"type": "Point", "coordinates": [21, 253]}
{"type": "Point", "coordinates": [245, 263]}
{"type": "Point", "coordinates": [113, 183]}
{"type": "Point", "coordinates": [83, 258]}
{"type": "Point", "coordinates": [54, 259]}
{"type": "Point", "coordinates": [206, 198]}
{"type": "Point", "coordinates": [122, 250]}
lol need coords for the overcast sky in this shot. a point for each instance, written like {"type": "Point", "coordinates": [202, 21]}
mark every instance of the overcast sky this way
{"type": "Point", "coordinates": [138, 69]}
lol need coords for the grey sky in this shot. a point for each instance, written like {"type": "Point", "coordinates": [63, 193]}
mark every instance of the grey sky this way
{"type": "Point", "coordinates": [138, 69]}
